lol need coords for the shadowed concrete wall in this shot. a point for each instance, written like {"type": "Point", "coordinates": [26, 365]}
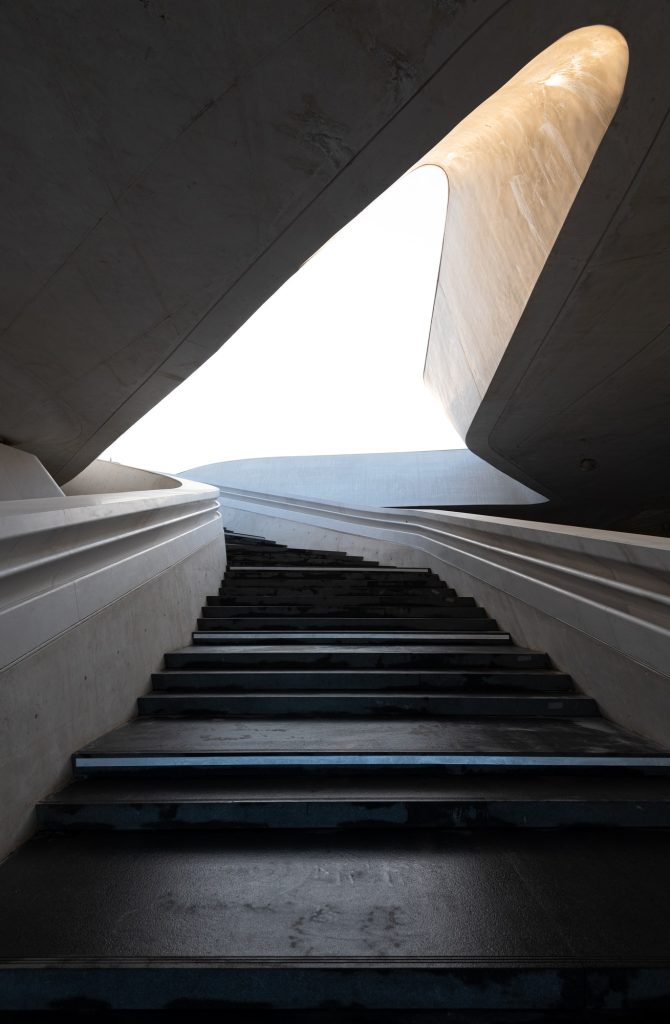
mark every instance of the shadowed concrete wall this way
{"type": "Point", "coordinates": [103, 477]}
{"type": "Point", "coordinates": [24, 476]}
{"type": "Point", "coordinates": [392, 478]}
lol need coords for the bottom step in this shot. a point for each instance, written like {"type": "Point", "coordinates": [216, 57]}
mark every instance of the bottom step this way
{"type": "Point", "coordinates": [456, 802]}
{"type": "Point", "coordinates": [495, 920]}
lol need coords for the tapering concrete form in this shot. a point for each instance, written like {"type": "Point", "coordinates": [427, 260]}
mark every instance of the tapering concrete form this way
{"type": "Point", "coordinates": [191, 164]}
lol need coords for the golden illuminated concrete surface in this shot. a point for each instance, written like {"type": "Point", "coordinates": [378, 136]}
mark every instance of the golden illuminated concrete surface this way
{"type": "Point", "coordinates": [514, 167]}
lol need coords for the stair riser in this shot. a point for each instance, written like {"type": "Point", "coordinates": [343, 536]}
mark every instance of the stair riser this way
{"type": "Point", "coordinates": [360, 660]}
{"type": "Point", "coordinates": [436, 984]}
{"type": "Point", "coordinates": [325, 575]}
{"type": "Point", "coordinates": [438, 682]}
{"type": "Point", "coordinates": [269, 560]}
{"type": "Point", "coordinates": [275, 641]}
{"type": "Point", "coordinates": [283, 560]}
{"type": "Point", "coordinates": [389, 624]}
{"type": "Point", "coordinates": [338, 814]}
{"type": "Point", "coordinates": [301, 592]}
{"type": "Point", "coordinates": [341, 597]}
{"type": "Point", "coordinates": [349, 638]}
{"type": "Point", "coordinates": [342, 705]}
{"type": "Point", "coordinates": [273, 550]}
{"type": "Point", "coordinates": [380, 611]}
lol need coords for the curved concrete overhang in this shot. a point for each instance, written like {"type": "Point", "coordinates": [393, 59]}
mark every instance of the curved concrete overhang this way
{"type": "Point", "coordinates": [166, 174]}
{"type": "Point", "coordinates": [419, 479]}
{"type": "Point", "coordinates": [514, 167]}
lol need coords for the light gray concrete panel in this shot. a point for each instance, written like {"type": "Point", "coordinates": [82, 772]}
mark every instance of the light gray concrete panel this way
{"type": "Point", "coordinates": [24, 476]}
{"type": "Point", "coordinates": [391, 478]}
{"type": "Point", "coordinates": [86, 681]}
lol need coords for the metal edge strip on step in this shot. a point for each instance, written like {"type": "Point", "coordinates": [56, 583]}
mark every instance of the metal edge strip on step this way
{"type": "Point", "coordinates": [354, 760]}
{"type": "Point", "coordinates": [352, 635]}
{"type": "Point", "coordinates": [325, 568]}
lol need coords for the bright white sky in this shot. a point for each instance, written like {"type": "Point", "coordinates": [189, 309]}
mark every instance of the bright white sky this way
{"type": "Point", "coordinates": [332, 363]}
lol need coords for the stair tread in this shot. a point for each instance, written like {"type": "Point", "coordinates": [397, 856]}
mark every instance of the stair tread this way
{"type": "Point", "coordinates": [273, 605]}
{"type": "Point", "coordinates": [482, 695]}
{"type": "Point", "coordinates": [325, 648]}
{"type": "Point", "coordinates": [526, 737]}
{"type": "Point", "coordinates": [267, 636]}
{"type": "Point", "coordinates": [565, 899]}
{"type": "Point", "coordinates": [395, 673]}
{"type": "Point", "coordinates": [254, 623]}
{"type": "Point", "coordinates": [378, 569]}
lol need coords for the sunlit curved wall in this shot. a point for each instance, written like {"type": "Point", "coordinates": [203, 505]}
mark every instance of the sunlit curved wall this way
{"type": "Point", "coordinates": [514, 167]}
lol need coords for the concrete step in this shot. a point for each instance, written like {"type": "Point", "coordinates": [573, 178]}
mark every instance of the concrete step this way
{"type": "Point", "coordinates": [358, 656]}
{"type": "Point", "coordinates": [445, 802]}
{"type": "Point", "coordinates": [273, 548]}
{"type": "Point", "coordinates": [385, 612]}
{"type": "Point", "coordinates": [297, 555]}
{"type": "Point", "coordinates": [321, 636]}
{"type": "Point", "coordinates": [294, 704]}
{"type": "Point", "coordinates": [325, 573]}
{"type": "Point", "coordinates": [333, 623]}
{"type": "Point", "coordinates": [496, 680]}
{"type": "Point", "coordinates": [395, 920]}
{"type": "Point", "coordinates": [312, 601]}
{"type": "Point", "coordinates": [292, 553]}
{"type": "Point", "coordinates": [266, 562]}
{"type": "Point", "coordinates": [210, 745]}
{"type": "Point", "coordinates": [337, 591]}
{"type": "Point", "coordinates": [293, 556]}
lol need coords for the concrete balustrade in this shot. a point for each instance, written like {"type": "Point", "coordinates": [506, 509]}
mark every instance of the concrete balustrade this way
{"type": "Point", "coordinates": [93, 589]}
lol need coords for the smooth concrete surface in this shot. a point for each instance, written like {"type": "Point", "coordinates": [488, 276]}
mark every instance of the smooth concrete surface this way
{"type": "Point", "coordinates": [577, 407]}
{"type": "Point", "coordinates": [165, 174]}
{"type": "Point", "coordinates": [87, 680]}
{"type": "Point", "coordinates": [507, 919]}
{"type": "Point", "coordinates": [596, 601]}
{"type": "Point", "coordinates": [514, 166]}
{"type": "Point", "coordinates": [103, 477]}
{"type": "Point", "coordinates": [445, 801]}
{"type": "Point", "coordinates": [162, 737]}
{"type": "Point", "coordinates": [454, 477]}
{"type": "Point", "coordinates": [65, 558]}
{"type": "Point", "coordinates": [24, 476]}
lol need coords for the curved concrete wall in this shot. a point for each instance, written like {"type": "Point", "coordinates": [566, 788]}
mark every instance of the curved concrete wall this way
{"type": "Point", "coordinates": [514, 167]}
{"type": "Point", "coordinates": [391, 478]}
{"type": "Point", "coordinates": [189, 165]}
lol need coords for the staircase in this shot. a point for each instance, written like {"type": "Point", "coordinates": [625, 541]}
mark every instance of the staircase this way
{"type": "Point", "coordinates": [352, 792]}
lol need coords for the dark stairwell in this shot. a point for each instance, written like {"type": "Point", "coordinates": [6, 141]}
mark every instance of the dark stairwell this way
{"type": "Point", "coordinates": [353, 793]}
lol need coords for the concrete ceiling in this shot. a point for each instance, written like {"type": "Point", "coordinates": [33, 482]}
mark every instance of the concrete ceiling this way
{"type": "Point", "coordinates": [168, 164]}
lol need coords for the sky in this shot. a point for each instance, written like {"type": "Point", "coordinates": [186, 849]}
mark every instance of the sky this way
{"type": "Point", "coordinates": [332, 363]}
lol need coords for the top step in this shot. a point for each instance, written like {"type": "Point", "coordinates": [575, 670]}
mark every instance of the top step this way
{"type": "Point", "coordinates": [376, 572]}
